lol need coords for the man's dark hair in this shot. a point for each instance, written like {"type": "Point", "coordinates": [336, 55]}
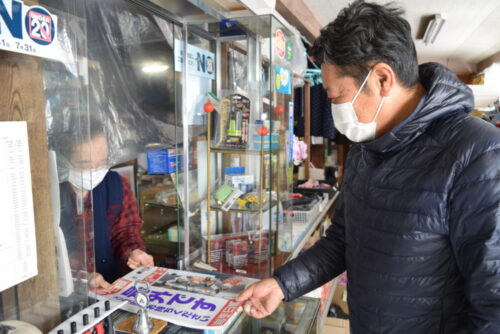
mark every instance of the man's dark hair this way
{"type": "Point", "coordinates": [364, 34]}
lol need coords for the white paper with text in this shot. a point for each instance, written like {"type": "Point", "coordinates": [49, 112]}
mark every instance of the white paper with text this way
{"type": "Point", "coordinates": [18, 260]}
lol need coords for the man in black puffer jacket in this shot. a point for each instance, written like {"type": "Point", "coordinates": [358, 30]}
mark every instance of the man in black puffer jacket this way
{"type": "Point", "coordinates": [417, 223]}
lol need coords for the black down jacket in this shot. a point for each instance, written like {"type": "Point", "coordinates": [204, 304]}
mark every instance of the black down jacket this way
{"type": "Point", "coordinates": [417, 223]}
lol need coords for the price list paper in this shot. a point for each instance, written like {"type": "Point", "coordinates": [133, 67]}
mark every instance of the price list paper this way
{"type": "Point", "coordinates": [18, 260]}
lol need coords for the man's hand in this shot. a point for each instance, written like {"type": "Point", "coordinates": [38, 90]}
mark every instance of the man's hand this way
{"type": "Point", "coordinates": [96, 281]}
{"type": "Point", "coordinates": [262, 298]}
{"type": "Point", "coordinates": [138, 258]}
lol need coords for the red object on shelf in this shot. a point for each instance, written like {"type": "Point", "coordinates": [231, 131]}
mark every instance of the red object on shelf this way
{"type": "Point", "coordinates": [279, 110]}
{"type": "Point", "coordinates": [209, 107]}
{"type": "Point", "coordinates": [262, 131]}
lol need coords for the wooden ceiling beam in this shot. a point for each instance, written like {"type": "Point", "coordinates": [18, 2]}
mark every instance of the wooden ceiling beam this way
{"type": "Point", "coordinates": [298, 14]}
{"type": "Point", "coordinates": [485, 63]}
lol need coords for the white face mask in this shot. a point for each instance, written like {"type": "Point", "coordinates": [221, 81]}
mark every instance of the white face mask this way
{"type": "Point", "coordinates": [86, 179]}
{"type": "Point", "coordinates": [346, 121]}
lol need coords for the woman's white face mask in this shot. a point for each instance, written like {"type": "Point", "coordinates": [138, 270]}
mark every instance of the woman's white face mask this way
{"type": "Point", "coordinates": [346, 121]}
{"type": "Point", "coordinates": [86, 179]}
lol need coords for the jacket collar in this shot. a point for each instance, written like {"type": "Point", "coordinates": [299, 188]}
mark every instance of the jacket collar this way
{"type": "Point", "coordinates": [446, 95]}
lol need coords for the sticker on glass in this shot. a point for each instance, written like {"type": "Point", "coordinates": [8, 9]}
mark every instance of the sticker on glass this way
{"type": "Point", "coordinates": [280, 44]}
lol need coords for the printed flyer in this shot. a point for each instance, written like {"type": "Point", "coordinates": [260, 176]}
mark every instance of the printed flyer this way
{"type": "Point", "coordinates": [206, 284]}
{"type": "Point", "coordinates": [184, 298]}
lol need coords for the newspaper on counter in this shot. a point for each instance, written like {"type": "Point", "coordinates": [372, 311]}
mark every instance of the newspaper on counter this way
{"type": "Point", "coordinates": [190, 299]}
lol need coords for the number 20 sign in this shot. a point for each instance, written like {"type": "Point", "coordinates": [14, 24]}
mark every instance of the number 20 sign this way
{"type": "Point", "coordinates": [28, 29]}
{"type": "Point", "coordinates": [40, 25]}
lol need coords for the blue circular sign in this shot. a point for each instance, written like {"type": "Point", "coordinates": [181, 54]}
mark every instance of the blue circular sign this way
{"type": "Point", "coordinates": [40, 25]}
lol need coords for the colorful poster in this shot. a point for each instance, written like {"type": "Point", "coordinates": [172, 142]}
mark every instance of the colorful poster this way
{"type": "Point", "coordinates": [283, 79]}
{"type": "Point", "coordinates": [29, 29]}
{"type": "Point", "coordinates": [210, 285]}
{"type": "Point", "coordinates": [200, 62]}
{"type": "Point", "coordinates": [184, 298]}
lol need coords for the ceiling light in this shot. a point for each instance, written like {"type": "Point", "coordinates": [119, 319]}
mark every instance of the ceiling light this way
{"type": "Point", "coordinates": [154, 68]}
{"type": "Point", "coordinates": [433, 29]}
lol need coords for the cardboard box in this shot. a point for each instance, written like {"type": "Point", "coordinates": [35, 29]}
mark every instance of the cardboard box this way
{"type": "Point", "coordinates": [163, 160]}
{"type": "Point", "coordinates": [335, 326]}
{"type": "Point", "coordinates": [340, 298]}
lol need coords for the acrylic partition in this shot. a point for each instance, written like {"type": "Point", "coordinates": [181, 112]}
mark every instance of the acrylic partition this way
{"type": "Point", "coordinates": [48, 91]}
{"type": "Point", "coordinates": [106, 102]}
{"type": "Point", "coordinates": [237, 94]}
{"type": "Point", "coordinates": [133, 96]}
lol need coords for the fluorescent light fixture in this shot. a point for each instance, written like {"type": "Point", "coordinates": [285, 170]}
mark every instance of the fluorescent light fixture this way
{"type": "Point", "coordinates": [433, 29]}
{"type": "Point", "coordinates": [154, 68]}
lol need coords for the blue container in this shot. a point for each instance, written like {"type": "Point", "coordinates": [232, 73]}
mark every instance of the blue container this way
{"type": "Point", "coordinates": [162, 160]}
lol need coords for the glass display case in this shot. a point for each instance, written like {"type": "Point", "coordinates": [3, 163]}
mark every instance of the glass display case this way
{"type": "Point", "coordinates": [237, 135]}
{"type": "Point", "coordinates": [297, 317]}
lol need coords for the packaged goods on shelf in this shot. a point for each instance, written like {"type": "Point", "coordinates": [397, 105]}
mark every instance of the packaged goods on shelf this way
{"type": "Point", "coordinates": [258, 251]}
{"type": "Point", "coordinates": [220, 252]}
{"type": "Point", "coordinates": [237, 253]}
{"type": "Point", "coordinates": [232, 124]}
{"type": "Point", "coordinates": [162, 159]}
{"type": "Point", "coordinates": [302, 211]}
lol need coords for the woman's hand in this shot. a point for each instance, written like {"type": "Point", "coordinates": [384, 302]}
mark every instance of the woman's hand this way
{"type": "Point", "coordinates": [139, 258]}
{"type": "Point", "coordinates": [96, 281]}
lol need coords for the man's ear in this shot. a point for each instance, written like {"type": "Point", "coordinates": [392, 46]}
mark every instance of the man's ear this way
{"type": "Point", "coordinates": [384, 77]}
